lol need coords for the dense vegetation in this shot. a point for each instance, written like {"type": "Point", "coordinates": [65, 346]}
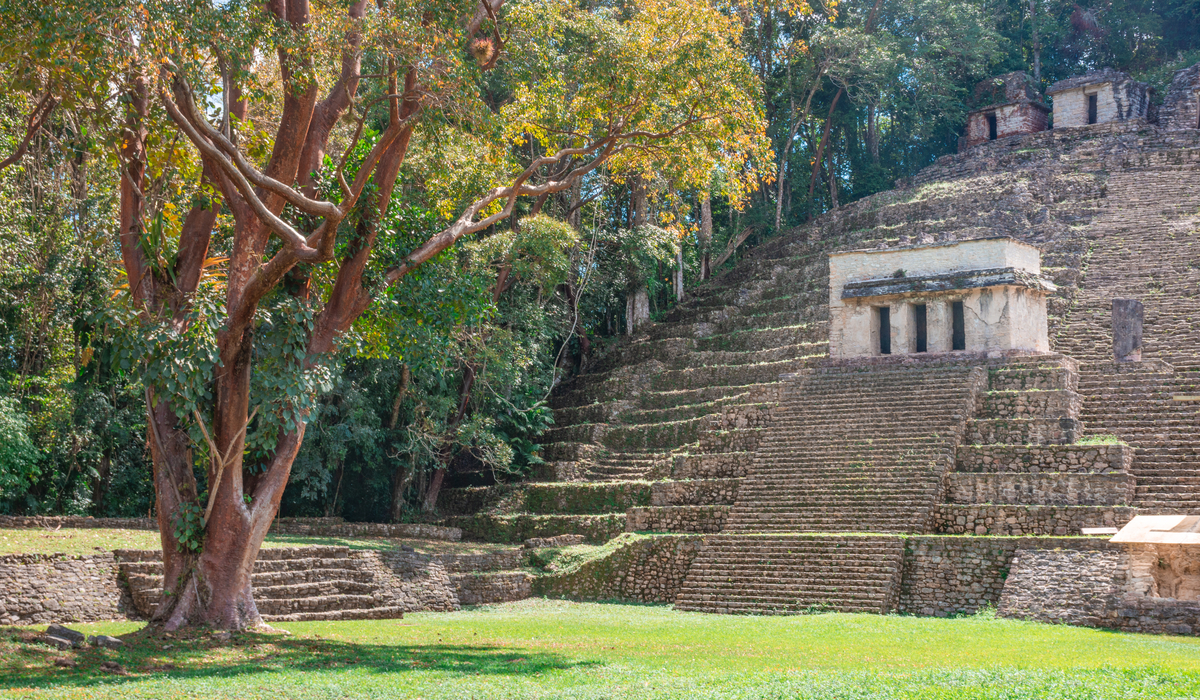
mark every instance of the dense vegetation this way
{"type": "Point", "coordinates": [452, 372]}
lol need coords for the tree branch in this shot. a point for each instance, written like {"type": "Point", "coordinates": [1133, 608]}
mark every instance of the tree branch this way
{"type": "Point", "coordinates": [37, 118]}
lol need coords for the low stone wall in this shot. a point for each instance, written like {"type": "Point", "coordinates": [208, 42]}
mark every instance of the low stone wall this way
{"type": "Point", "coordinates": [315, 527]}
{"type": "Point", "coordinates": [584, 498]}
{"type": "Point", "coordinates": [481, 588]}
{"type": "Point", "coordinates": [1017, 520]}
{"type": "Point", "coordinates": [76, 521]}
{"type": "Point", "coordinates": [336, 527]}
{"type": "Point", "coordinates": [1093, 589]}
{"type": "Point", "coordinates": [697, 519]}
{"type": "Point", "coordinates": [1043, 489]}
{"type": "Point", "coordinates": [721, 465]}
{"type": "Point", "coordinates": [743, 416]}
{"type": "Point", "coordinates": [483, 561]}
{"type": "Point", "coordinates": [1022, 431]}
{"type": "Point", "coordinates": [1029, 404]}
{"type": "Point", "coordinates": [695, 493]}
{"type": "Point", "coordinates": [955, 575]}
{"type": "Point", "coordinates": [45, 588]}
{"type": "Point", "coordinates": [642, 569]}
{"type": "Point", "coordinates": [745, 440]}
{"type": "Point", "coordinates": [514, 529]}
{"type": "Point", "coordinates": [1036, 459]}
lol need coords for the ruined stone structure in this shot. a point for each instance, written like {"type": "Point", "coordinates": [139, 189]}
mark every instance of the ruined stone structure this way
{"type": "Point", "coordinates": [757, 452]}
{"type": "Point", "coordinates": [1007, 105]}
{"type": "Point", "coordinates": [803, 479]}
{"type": "Point", "coordinates": [1099, 97]}
{"type": "Point", "coordinates": [982, 296]}
{"type": "Point", "coordinates": [1181, 104]}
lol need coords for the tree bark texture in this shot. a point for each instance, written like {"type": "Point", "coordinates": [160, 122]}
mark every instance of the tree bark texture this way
{"type": "Point", "coordinates": [705, 235]}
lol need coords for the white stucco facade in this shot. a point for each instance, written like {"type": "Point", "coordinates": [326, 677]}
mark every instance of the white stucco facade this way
{"type": "Point", "coordinates": [996, 283]}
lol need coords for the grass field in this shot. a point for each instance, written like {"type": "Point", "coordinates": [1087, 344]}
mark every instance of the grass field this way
{"type": "Point", "coordinates": [91, 541]}
{"type": "Point", "coordinates": [553, 649]}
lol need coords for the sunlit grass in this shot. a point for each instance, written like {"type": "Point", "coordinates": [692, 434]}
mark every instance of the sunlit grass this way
{"type": "Point", "coordinates": [93, 540]}
{"type": "Point", "coordinates": [554, 649]}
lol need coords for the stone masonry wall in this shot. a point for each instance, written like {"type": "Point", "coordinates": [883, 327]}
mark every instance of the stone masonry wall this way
{"type": "Point", "coordinates": [1036, 459]}
{"type": "Point", "coordinates": [701, 492]}
{"type": "Point", "coordinates": [415, 581]}
{"type": "Point", "coordinates": [1035, 489]}
{"type": "Point", "coordinates": [44, 588]}
{"type": "Point", "coordinates": [946, 576]}
{"type": "Point", "coordinates": [641, 570]}
{"type": "Point", "coordinates": [1181, 104]}
{"type": "Point", "coordinates": [1090, 588]}
{"type": "Point", "coordinates": [492, 586]}
{"type": "Point", "coordinates": [697, 519]}
{"type": "Point", "coordinates": [1022, 520]}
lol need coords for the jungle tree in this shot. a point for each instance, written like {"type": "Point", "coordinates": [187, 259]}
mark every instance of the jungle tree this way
{"type": "Point", "coordinates": [259, 146]}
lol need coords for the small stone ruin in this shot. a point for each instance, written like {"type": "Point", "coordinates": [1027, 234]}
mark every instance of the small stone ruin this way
{"type": "Point", "coordinates": [1007, 105]}
{"type": "Point", "coordinates": [1099, 97]}
{"type": "Point", "coordinates": [1181, 105]}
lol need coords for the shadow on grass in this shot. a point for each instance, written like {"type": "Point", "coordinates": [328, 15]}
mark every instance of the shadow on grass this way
{"type": "Point", "coordinates": [27, 664]}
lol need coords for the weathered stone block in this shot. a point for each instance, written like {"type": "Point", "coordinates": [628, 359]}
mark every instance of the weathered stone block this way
{"type": "Point", "coordinates": [1127, 317]}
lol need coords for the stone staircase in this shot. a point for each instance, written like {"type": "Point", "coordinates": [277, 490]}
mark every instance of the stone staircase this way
{"type": "Point", "coordinates": [291, 584]}
{"type": "Point", "coordinates": [794, 573]}
{"type": "Point", "coordinates": [1137, 403]}
{"type": "Point", "coordinates": [1021, 469]}
{"type": "Point", "coordinates": [859, 448]}
{"type": "Point", "coordinates": [726, 418]}
{"type": "Point", "coordinates": [488, 577]}
{"type": "Point", "coordinates": [1143, 247]}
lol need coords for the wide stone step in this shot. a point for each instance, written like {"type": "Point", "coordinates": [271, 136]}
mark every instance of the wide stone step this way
{"type": "Point", "coordinates": [313, 589]}
{"type": "Point", "coordinates": [383, 612]}
{"type": "Point", "coordinates": [748, 574]}
{"type": "Point", "coordinates": [323, 603]}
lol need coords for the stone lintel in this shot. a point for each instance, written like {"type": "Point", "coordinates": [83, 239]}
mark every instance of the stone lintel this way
{"type": "Point", "coordinates": [947, 282]}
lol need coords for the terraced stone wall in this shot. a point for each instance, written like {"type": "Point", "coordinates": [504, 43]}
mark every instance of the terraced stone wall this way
{"type": "Point", "coordinates": [415, 582]}
{"type": "Point", "coordinates": [484, 527]}
{"type": "Point", "coordinates": [1052, 489]}
{"type": "Point", "coordinates": [698, 519]}
{"type": "Point", "coordinates": [641, 570]}
{"type": "Point", "coordinates": [946, 576]}
{"type": "Point", "coordinates": [45, 588]}
{"type": "Point", "coordinates": [1092, 589]}
{"type": "Point", "coordinates": [492, 587]}
{"type": "Point", "coordinates": [1015, 521]}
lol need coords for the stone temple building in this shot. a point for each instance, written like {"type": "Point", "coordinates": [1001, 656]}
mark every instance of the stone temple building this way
{"type": "Point", "coordinates": [1181, 105]}
{"type": "Point", "coordinates": [983, 295]}
{"type": "Point", "coordinates": [934, 399]}
{"type": "Point", "coordinates": [1007, 105]}
{"type": "Point", "coordinates": [1100, 97]}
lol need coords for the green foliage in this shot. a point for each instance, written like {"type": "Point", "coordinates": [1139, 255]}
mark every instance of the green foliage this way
{"type": "Point", "coordinates": [19, 459]}
{"type": "Point", "coordinates": [188, 526]}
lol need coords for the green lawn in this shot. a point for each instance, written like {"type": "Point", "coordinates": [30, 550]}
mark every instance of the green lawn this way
{"type": "Point", "coordinates": [553, 649]}
{"type": "Point", "coordinates": [90, 541]}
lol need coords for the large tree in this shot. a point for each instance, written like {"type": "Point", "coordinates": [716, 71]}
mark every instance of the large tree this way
{"type": "Point", "coordinates": [260, 146]}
